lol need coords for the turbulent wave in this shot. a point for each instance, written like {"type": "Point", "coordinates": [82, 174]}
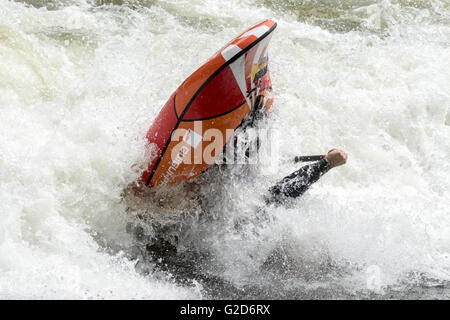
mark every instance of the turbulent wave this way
{"type": "Point", "coordinates": [81, 81]}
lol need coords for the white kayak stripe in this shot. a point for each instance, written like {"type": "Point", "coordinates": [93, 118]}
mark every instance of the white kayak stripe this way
{"type": "Point", "coordinates": [238, 68]}
{"type": "Point", "coordinates": [230, 51]}
{"type": "Point", "coordinates": [258, 32]}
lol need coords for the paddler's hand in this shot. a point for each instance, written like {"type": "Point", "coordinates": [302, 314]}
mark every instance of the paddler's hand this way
{"type": "Point", "coordinates": [336, 157]}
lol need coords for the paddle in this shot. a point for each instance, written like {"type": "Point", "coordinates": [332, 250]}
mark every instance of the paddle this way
{"type": "Point", "coordinates": [308, 158]}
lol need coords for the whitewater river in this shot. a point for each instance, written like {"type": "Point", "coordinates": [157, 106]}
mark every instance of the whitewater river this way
{"type": "Point", "coordinates": [81, 82]}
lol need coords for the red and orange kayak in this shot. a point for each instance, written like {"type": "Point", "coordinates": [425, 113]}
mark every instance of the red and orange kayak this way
{"type": "Point", "coordinates": [201, 115]}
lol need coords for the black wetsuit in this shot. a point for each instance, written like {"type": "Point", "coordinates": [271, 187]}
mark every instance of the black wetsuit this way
{"type": "Point", "coordinates": [295, 184]}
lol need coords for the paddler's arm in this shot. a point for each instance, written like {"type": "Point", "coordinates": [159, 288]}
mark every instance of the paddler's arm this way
{"type": "Point", "coordinates": [295, 184]}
